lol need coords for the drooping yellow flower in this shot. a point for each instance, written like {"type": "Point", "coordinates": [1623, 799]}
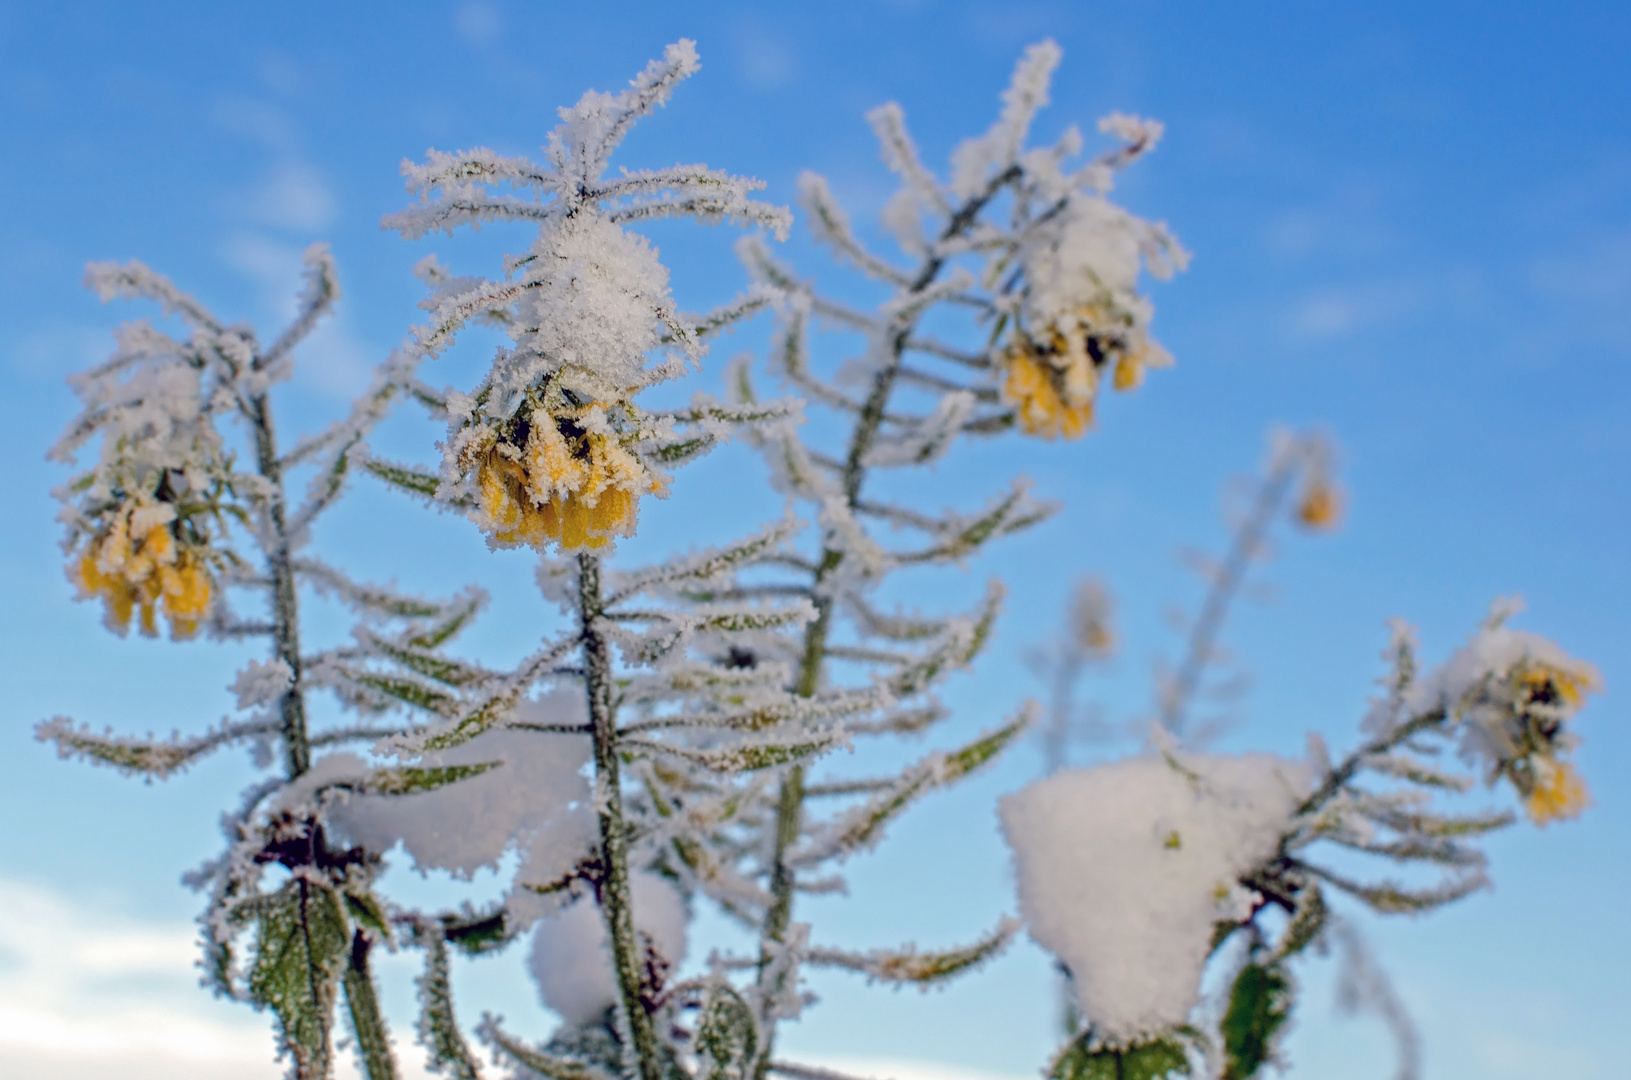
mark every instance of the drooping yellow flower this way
{"type": "Point", "coordinates": [137, 567]}
{"type": "Point", "coordinates": [1049, 401]}
{"type": "Point", "coordinates": [576, 487]}
{"type": "Point", "coordinates": [1320, 507]}
{"type": "Point", "coordinates": [1558, 792]}
{"type": "Point", "coordinates": [1539, 683]}
{"type": "Point", "coordinates": [1052, 384]}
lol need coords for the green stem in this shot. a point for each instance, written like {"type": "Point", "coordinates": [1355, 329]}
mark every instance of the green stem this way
{"type": "Point", "coordinates": [790, 803]}
{"type": "Point", "coordinates": [285, 599]}
{"type": "Point", "coordinates": [373, 1039]}
{"type": "Point", "coordinates": [616, 902]}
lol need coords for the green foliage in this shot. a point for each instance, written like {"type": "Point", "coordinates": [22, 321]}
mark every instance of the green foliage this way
{"type": "Point", "coordinates": [300, 951]}
{"type": "Point", "coordinates": [1259, 1006]}
{"type": "Point", "coordinates": [409, 691]}
{"type": "Point", "coordinates": [923, 969]}
{"type": "Point", "coordinates": [367, 1025]}
{"type": "Point", "coordinates": [420, 482]}
{"type": "Point", "coordinates": [438, 1027]}
{"type": "Point", "coordinates": [547, 1065]}
{"type": "Point", "coordinates": [410, 780]}
{"type": "Point", "coordinates": [727, 1036]}
{"type": "Point", "coordinates": [1153, 1060]}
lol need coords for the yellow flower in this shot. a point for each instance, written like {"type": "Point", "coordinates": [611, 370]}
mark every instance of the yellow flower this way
{"type": "Point", "coordinates": [1129, 371]}
{"type": "Point", "coordinates": [1052, 385]}
{"type": "Point", "coordinates": [1558, 687]}
{"type": "Point", "coordinates": [1321, 505]}
{"type": "Point", "coordinates": [1049, 402]}
{"type": "Point", "coordinates": [579, 488]}
{"type": "Point", "coordinates": [137, 567]}
{"type": "Point", "coordinates": [1558, 792]}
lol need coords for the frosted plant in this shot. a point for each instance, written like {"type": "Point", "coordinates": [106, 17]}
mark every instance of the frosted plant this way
{"type": "Point", "coordinates": [657, 753]}
{"type": "Point", "coordinates": [167, 521]}
{"type": "Point", "coordinates": [1136, 873]}
{"type": "Point", "coordinates": [726, 690]}
{"type": "Point", "coordinates": [1023, 255]}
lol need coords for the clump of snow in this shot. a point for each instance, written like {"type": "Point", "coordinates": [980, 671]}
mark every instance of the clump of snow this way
{"type": "Point", "coordinates": [261, 684]}
{"type": "Point", "coordinates": [530, 801]}
{"type": "Point", "coordinates": [1124, 868]}
{"type": "Point", "coordinates": [572, 956]}
{"type": "Point", "coordinates": [1091, 255]}
{"type": "Point", "coordinates": [595, 305]}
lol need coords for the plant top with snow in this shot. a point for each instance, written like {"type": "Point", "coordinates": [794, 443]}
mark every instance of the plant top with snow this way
{"type": "Point", "coordinates": [551, 446]}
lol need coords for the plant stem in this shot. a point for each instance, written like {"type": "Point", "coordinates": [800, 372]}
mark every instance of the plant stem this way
{"type": "Point", "coordinates": [285, 600]}
{"type": "Point", "coordinates": [790, 802]}
{"type": "Point", "coordinates": [373, 1040]}
{"type": "Point", "coordinates": [615, 899]}
{"type": "Point", "coordinates": [1247, 542]}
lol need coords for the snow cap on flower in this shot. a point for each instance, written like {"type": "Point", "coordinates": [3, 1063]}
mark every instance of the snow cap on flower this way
{"type": "Point", "coordinates": [1123, 870]}
{"type": "Point", "coordinates": [551, 447]}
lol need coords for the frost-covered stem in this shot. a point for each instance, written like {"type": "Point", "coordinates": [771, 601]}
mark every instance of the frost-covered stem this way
{"type": "Point", "coordinates": [790, 804]}
{"type": "Point", "coordinates": [614, 857]}
{"type": "Point", "coordinates": [1230, 576]}
{"type": "Point", "coordinates": [285, 610]}
{"type": "Point", "coordinates": [1338, 777]}
{"type": "Point", "coordinates": [373, 1040]}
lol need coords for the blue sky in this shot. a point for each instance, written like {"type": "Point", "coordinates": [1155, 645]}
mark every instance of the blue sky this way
{"type": "Point", "coordinates": [1411, 226]}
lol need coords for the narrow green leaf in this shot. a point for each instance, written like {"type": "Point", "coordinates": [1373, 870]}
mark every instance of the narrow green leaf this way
{"type": "Point", "coordinates": [923, 969]}
{"type": "Point", "coordinates": [678, 453]}
{"type": "Point", "coordinates": [556, 1068]}
{"type": "Point", "coordinates": [406, 477]}
{"type": "Point", "coordinates": [412, 779]}
{"type": "Point", "coordinates": [457, 619]}
{"type": "Point", "coordinates": [438, 1027]}
{"type": "Point", "coordinates": [409, 691]}
{"type": "Point", "coordinates": [1307, 921]}
{"type": "Point", "coordinates": [1259, 1006]}
{"type": "Point", "coordinates": [444, 670]}
{"type": "Point", "coordinates": [367, 1023]}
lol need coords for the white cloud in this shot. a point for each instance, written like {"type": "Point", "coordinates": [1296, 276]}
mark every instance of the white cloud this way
{"type": "Point", "coordinates": [86, 996]}
{"type": "Point", "coordinates": [765, 59]}
{"type": "Point", "coordinates": [478, 22]}
{"type": "Point", "coordinates": [293, 195]}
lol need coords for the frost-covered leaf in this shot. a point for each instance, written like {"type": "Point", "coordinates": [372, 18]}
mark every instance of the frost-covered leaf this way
{"type": "Point", "coordinates": [548, 1066]}
{"type": "Point", "coordinates": [859, 829]}
{"type": "Point", "coordinates": [923, 969]}
{"type": "Point", "coordinates": [301, 946]}
{"type": "Point", "coordinates": [1259, 1006]}
{"type": "Point", "coordinates": [438, 1027]}
{"type": "Point", "coordinates": [727, 1037]}
{"type": "Point", "coordinates": [150, 757]}
{"type": "Point", "coordinates": [410, 780]}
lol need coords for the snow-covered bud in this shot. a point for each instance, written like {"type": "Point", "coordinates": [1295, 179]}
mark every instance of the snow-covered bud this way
{"type": "Point", "coordinates": [1080, 313]}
